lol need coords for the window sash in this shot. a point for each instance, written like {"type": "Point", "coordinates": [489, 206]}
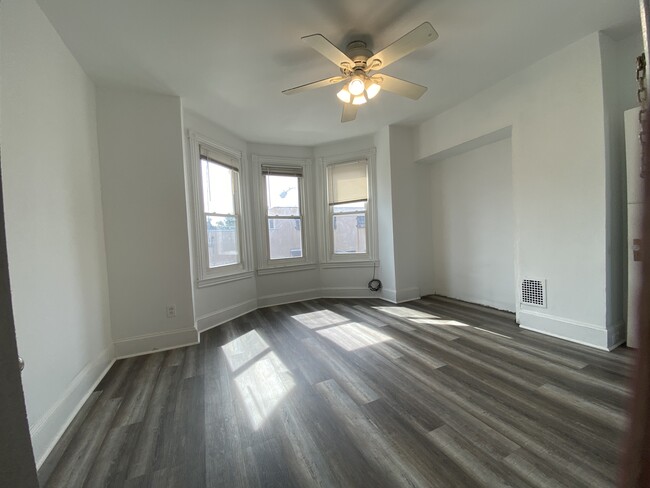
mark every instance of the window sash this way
{"type": "Point", "coordinates": [270, 170]}
{"type": "Point", "coordinates": [237, 244]}
{"type": "Point", "coordinates": [210, 158]}
{"type": "Point", "coordinates": [333, 233]}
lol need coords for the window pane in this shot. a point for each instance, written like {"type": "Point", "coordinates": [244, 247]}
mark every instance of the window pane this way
{"type": "Point", "coordinates": [349, 233]}
{"type": "Point", "coordinates": [218, 188]}
{"type": "Point", "coordinates": [350, 207]}
{"type": "Point", "coordinates": [282, 195]}
{"type": "Point", "coordinates": [285, 238]}
{"type": "Point", "coordinates": [223, 245]}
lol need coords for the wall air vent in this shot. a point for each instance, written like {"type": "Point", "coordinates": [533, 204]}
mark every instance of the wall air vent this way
{"type": "Point", "coordinates": [533, 292]}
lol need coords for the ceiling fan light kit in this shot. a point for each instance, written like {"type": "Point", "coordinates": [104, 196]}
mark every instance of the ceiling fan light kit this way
{"type": "Point", "coordinates": [357, 63]}
{"type": "Point", "coordinates": [360, 100]}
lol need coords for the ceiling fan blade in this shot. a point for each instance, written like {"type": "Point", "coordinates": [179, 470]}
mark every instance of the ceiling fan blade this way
{"type": "Point", "coordinates": [329, 50]}
{"type": "Point", "coordinates": [418, 37]}
{"type": "Point", "coordinates": [400, 87]}
{"type": "Point", "coordinates": [316, 84]}
{"type": "Point", "coordinates": [349, 112]}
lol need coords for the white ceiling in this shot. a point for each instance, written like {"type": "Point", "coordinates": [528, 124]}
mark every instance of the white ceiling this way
{"type": "Point", "coordinates": [229, 60]}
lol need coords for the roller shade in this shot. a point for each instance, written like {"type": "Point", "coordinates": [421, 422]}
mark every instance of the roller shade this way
{"type": "Point", "coordinates": [281, 170]}
{"type": "Point", "coordinates": [348, 182]}
{"type": "Point", "coordinates": [218, 157]}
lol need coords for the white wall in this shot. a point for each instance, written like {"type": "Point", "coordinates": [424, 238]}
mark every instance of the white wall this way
{"type": "Point", "coordinates": [557, 113]}
{"type": "Point", "coordinates": [473, 226]}
{"type": "Point", "coordinates": [406, 226]}
{"type": "Point", "coordinates": [143, 193]}
{"type": "Point", "coordinates": [386, 272]}
{"type": "Point", "coordinates": [55, 239]}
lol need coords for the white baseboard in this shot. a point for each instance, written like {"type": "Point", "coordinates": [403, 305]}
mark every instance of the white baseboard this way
{"type": "Point", "coordinates": [134, 346]}
{"type": "Point", "coordinates": [282, 298]}
{"type": "Point", "coordinates": [583, 333]}
{"type": "Point", "coordinates": [407, 295]}
{"type": "Point", "coordinates": [207, 322]}
{"type": "Point", "coordinates": [400, 296]}
{"type": "Point", "coordinates": [50, 427]}
{"type": "Point", "coordinates": [389, 295]}
{"type": "Point", "coordinates": [349, 292]}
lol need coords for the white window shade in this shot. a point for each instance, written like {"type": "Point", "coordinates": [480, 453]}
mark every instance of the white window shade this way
{"type": "Point", "coordinates": [348, 182]}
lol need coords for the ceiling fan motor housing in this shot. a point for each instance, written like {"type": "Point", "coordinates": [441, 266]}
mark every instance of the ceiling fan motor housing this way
{"type": "Point", "coordinates": [358, 52]}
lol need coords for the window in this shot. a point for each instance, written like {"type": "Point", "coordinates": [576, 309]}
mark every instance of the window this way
{"type": "Point", "coordinates": [220, 191]}
{"type": "Point", "coordinates": [348, 225]}
{"type": "Point", "coordinates": [282, 187]}
{"type": "Point", "coordinates": [219, 228]}
{"type": "Point", "coordinates": [285, 233]}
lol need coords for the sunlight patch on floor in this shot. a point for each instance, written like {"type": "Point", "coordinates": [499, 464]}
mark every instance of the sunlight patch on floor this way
{"type": "Point", "coordinates": [454, 323]}
{"type": "Point", "coordinates": [490, 332]}
{"type": "Point", "coordinates": [423, 318]}
{"type": "Point", "coordinates": [244, 349]}
{"type": "Point", "coordinates": [353, 336]}
{"type": "Point", "coordinates": [262, 386]}
{"type": "Point", "coordinates": [321, 318]}
{"type": "Point", "coordinates": [261, 377]}
{"type": "Point", "coordinates": [405, 313]}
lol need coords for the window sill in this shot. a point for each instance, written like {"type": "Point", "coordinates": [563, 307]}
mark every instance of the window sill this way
{"type": "Point", "coordinates": [287, 268]}
{"type": "Point", "coordinates": [351, 264]}
{"type": "Point", "coordinates": [217, 280]}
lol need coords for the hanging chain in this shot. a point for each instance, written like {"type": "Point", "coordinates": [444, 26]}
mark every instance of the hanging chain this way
{"type": "Point", "coordinates": [642, 96]}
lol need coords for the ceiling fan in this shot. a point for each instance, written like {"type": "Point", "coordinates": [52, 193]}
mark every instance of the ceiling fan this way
{"type": "Point", "coordinates": [358, 63]}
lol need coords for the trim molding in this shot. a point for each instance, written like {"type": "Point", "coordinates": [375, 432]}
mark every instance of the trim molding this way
{"type": "Point", "coordinates": [50, 427]}
{"type": "Point", "coordinates": [282, 298]}
{"type": "Point", "coordinates": [207, 322]}
{"type": "Point", "coordinates": [217, 280]}
{"type": "Point", "coordinates": [389, 295]}
{"type": "Point", "coordinates": [287, 269]}
{"type": "Point", "coordinates": [147, 343]}
{"type": "Point", "coordinates": [592, 335]}
{"type": "Point", "coordinates": [408, 294]}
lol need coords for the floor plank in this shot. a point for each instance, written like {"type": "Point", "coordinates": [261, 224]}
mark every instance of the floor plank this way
{"type": "Point", "coordinates": [354, 393]}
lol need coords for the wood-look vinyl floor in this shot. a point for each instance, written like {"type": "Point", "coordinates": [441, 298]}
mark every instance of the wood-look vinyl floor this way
{"type": "Point", "coordinates": [354, 393]}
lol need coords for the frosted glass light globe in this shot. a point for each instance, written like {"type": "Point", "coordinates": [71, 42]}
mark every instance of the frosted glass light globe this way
{"type": "Point", "coordinates": [356, 86]}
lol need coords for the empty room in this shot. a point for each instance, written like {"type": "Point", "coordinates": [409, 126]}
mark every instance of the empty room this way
{"type": "Point", "coordinates": [319, 243]}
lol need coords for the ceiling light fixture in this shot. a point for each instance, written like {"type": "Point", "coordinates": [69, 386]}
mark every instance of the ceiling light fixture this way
{"type": "Point", "coordinates": [372, 89]}
{"type": "Point", "coordinates": [356, 86]}
{"type": "Point", "coordinates": [360, 100]}
{"type": "Point", "coordinates": [344, 96]}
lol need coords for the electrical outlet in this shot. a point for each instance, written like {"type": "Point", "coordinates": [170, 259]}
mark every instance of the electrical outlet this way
{"type": "Point", "coordinates": [171, 311]}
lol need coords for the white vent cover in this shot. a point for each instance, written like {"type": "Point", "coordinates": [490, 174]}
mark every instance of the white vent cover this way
{"type": "Point", "coordinates": [533, 292]}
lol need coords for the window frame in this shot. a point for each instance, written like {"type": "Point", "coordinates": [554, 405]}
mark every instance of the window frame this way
{"type": "Point", "coordinates": [265, 264]}
{"type": "Point", "coordinates": [328, 257]}
{"type": "Point", "coordinates": [206, 276]}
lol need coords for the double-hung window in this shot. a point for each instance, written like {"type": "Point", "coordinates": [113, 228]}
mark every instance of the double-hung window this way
{"type": "Point", "coordinates": [283, 213]}
{"type": "Point", "coordinates": [220, 243]}
{"type": "Point", "coordinates": [348, 233]}
{"type": "Point", "coordinates": [220, 191]}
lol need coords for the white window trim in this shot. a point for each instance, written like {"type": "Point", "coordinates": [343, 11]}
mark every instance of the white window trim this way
{"type": "Point", "coordinates": [206, 276]}
{"type": "Point", "coordinates": [308, 260]}
{"type": "Point", "coordinates": [327, 256]}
